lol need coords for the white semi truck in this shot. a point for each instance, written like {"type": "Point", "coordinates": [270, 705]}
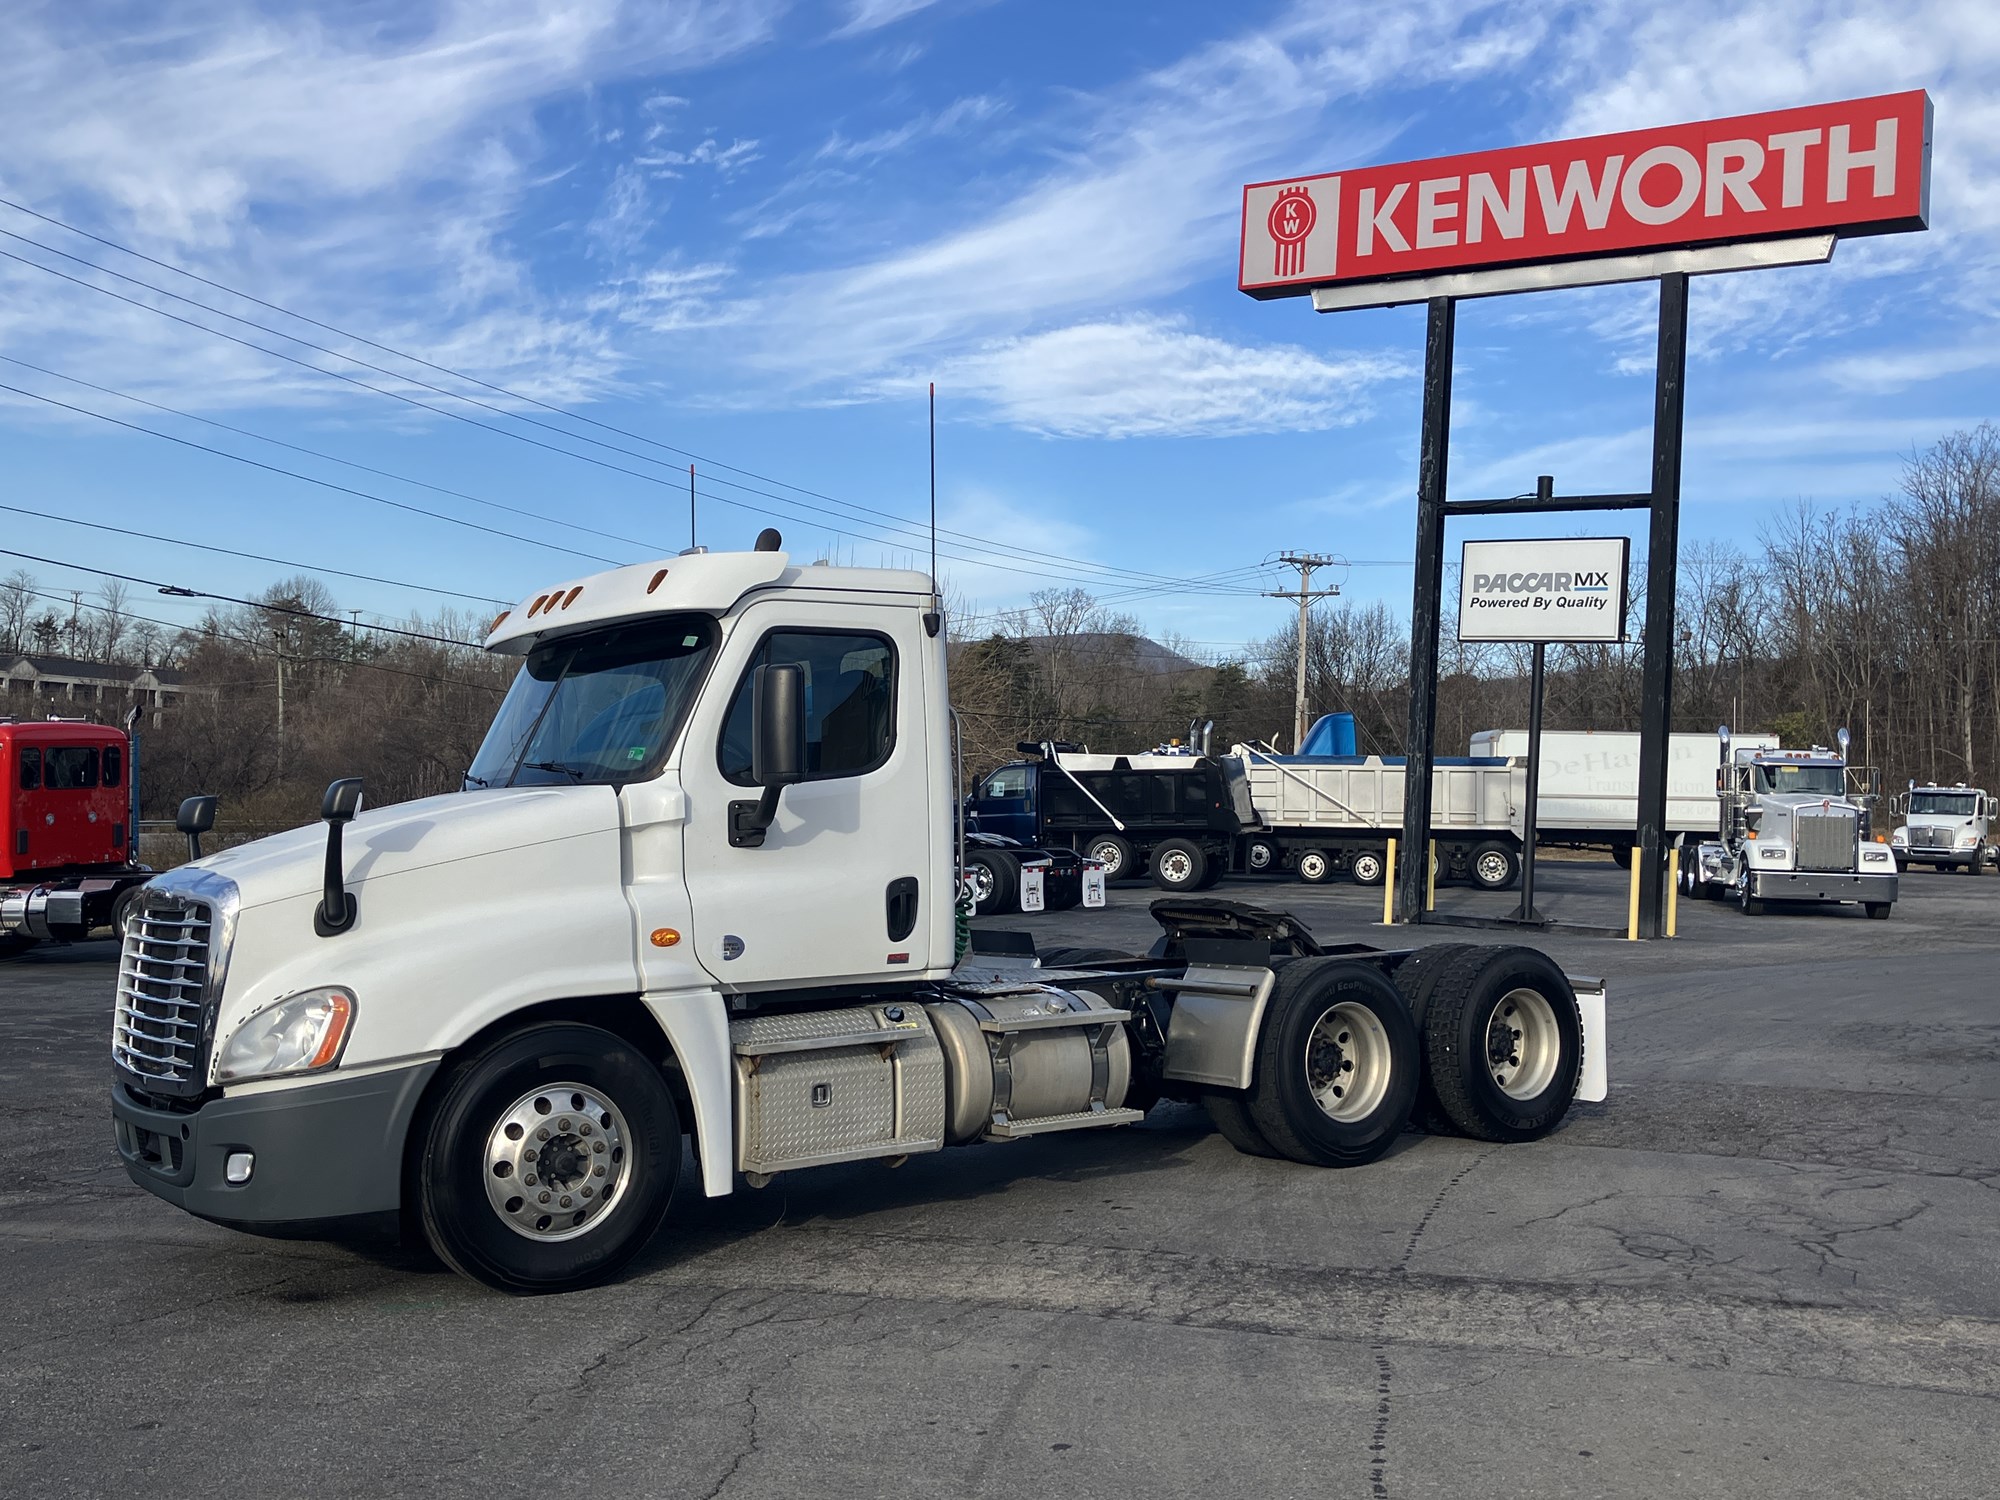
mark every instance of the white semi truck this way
{"type": "Point", "coordinates": [1945, 827]}
{"type": "Point", "coordinates": [696, 895]}
{"type": "Point", "coordinates": [1791, 831]}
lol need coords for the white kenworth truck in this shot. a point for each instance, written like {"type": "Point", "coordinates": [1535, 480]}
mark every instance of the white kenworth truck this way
{"type": "Point", "coordinates": [698, 896]}
{"type": "Point", "coordinates": [1946, 827]}
{"type": "Point", "coordinates": [1790, 830]}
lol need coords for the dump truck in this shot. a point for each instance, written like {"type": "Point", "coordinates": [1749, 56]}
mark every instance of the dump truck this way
{"type": "Point", "coordinates": [697, 895]}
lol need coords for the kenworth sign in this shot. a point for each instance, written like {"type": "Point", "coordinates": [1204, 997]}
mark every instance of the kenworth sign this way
{"type": "Point", "coordinates": [1567, 590]}
{"type": "Point", "coordinates": [1857, 167]}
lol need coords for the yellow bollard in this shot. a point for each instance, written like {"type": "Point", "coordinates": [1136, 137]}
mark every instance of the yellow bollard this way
{"type": "Point", "coordinates": [1389, 888]}
{"type": "Point", "coordinates": [1632, 919]}
{"type": "Point", "coordinates": [1431, 880]}
{"type": "Point", "coordinates": [1673, 887]}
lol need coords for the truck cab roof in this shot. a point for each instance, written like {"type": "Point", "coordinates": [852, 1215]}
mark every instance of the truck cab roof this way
{"type": "Point", "coordinates": [709, 582]}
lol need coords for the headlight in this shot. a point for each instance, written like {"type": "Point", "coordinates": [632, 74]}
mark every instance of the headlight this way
{"type": "Point", "coordinates": [299, 1034]}
{"type": "Point", "coordinates": [1767, 851]}
{"type": "Point", "coordinates": [1967, 840]}
{"type": "Point", "coordinates": [1900, 836]}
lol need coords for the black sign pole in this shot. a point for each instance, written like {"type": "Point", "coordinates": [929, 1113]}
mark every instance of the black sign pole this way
{"type": "Point", "coordinates": [1426, 605]}
{"type": "Point", "coordinates": [1534, 786]}
{"type": "Point", "coordinates": [1662, 554]}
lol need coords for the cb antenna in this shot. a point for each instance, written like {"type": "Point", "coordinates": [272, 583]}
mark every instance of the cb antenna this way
{"type": "Point", "coordinates": [691, 540]}
{"type": "Point", "coordinates": [935, 618]}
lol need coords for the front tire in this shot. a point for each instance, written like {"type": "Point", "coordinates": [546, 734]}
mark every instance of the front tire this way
{"type": "Point", "coordinates": [1260, 856]}
{"type": "Point", "coordinates": [1878, 911]}
{"type": "Point", "coordinates": [1336, 1066]}
{"type": "Point", "coordinates": [548, 1161]}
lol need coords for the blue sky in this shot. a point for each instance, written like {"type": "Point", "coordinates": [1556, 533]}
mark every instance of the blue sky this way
{"type": "Point", "coordinates": [756, 230]}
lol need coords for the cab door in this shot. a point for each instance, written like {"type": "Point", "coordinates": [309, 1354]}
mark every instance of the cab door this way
{"type": "Point", "coordinates": [1005, 803]}
{"type": "Point", "coordinates": [838, 890]}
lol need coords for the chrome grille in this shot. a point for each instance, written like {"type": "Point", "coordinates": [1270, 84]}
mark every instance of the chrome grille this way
{"type": "Point", "coordinates": [1931, 837]}
{"type": "Point", "coordinates": [1827, 840]}
{"type": "Point", "coordinates": [162, 990]}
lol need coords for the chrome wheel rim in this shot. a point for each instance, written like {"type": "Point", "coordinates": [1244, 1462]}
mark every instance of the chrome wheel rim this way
{"type": "Point", "coordinates": [1347, 1061]}
{"type": "Point", "coordinates": [1106, 854]}
{"type": "Point", "coordinates": [558, 1161]}
{"type": "Point", "coordinates": [1260, 856]}
{"type": "Point", "coordinates": [1492, 868]}
{"type": "Point", "coordinates": [1176, 867]}
{"type": "Point", "coordinates": [1523, 1044]}
{"type": "Point", "coordinates": [981, 878]}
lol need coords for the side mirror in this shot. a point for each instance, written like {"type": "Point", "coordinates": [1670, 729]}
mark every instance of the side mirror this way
{"type": "Point", "coordinates": [337, 908]}
{"type": "Point", "coordinates": [196, 817]}
{"type": "Point", "coordinates": [778, 725]}
{"type": "Point", "coordinates": [777, 749]}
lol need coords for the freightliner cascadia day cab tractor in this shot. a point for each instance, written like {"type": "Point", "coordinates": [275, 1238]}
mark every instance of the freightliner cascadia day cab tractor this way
{"type": "Point", "coordinates": [698, 893]}
{"type": "Point", "coordinates": [67, 839]}
{"type": "Point", "coordinates": [1945, 827]}
{"type": "Point", "coordinates": [1790, 831]}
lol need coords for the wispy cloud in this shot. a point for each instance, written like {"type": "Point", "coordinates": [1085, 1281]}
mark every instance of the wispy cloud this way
{"type": "Point", "coordinates": [1140, 377]}
{"type": "Point", "coordinates": [872, 15]}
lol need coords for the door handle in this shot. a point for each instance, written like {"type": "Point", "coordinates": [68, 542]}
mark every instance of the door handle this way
{"type": "Point", "coordinates": [902, 907]}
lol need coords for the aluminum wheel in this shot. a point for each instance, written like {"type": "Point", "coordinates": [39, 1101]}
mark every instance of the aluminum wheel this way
{"type": "Point", "coordinates": [1348, 1062]}
{"type": "Point", "coordinates": [556, 1162]}
{"type": "Point", "coordinates": [1523, 1045]}
{"type": "Point", "coordinates": [1258, 856]}
{"type": "Point", "coordinates": [980, 877]}
{"type": "Point", "coordinates": [1491, 868]}
{"type": "Point", "coordinates": [1111, 854]}
{"type": "Point", "coordinates": [1177, 867]}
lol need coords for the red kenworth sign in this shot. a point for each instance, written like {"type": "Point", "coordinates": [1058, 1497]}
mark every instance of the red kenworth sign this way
{"type": "Point", "coordinates": [1858, 167]}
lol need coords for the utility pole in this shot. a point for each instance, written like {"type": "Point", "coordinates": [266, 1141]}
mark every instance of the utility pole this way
{"type": "Point", "coordinates": [1305, 562]}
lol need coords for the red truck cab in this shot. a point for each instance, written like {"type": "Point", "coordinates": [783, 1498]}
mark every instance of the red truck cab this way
{"type": "Point", "coordinates": [66, 839]}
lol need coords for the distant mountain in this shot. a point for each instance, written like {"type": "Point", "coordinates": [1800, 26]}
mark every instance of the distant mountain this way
{"type": "Point", "coordinates": [1144, 653]}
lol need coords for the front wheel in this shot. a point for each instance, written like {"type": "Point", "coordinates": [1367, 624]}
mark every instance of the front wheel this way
{"type": "Point", "coordinates": [1753, 906]}
{"type": "Point", "coordinates": [1878, 911]}
{"type": "Point", "coordinates": [549, 1160]}
{"type": "Point", "coordinates": [1260, 856]}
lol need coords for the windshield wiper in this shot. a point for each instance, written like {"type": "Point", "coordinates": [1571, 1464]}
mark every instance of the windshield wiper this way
{"type": "Point", "coordinates": [553, 765]}
{"type": "Point", "coordinates": [478, 781]}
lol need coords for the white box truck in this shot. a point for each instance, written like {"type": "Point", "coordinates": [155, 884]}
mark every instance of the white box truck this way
{"type": "Point", "coordinates": [1589, 783]}
{"type": "Point", "coordinates": [697, 895]}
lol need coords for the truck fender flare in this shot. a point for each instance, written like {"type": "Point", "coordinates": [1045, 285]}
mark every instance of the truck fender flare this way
{"type": "Point", "coordinates": [696, 1023]}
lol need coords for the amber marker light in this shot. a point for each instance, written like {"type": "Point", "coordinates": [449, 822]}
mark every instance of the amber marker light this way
{"type": "Point", "coordinates": [665, 937]}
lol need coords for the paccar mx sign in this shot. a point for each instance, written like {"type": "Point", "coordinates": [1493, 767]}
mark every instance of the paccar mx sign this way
{"type": "Point", "coordinates": [1858, 167]}
{"type": "Point", "coordinates": [1572, 589]}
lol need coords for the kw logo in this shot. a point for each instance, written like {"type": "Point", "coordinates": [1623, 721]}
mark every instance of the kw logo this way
{"type": "Point", "coordinates": [1292, 219]}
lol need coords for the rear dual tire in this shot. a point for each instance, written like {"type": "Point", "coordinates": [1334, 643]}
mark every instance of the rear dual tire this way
{"type": "Point", "coordinates": [1335, 1070]}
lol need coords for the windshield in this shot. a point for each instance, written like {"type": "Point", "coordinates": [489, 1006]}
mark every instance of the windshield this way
{"type": "Point", "coordinates": [1818, 781]}
{"type": "Point", "coordinates": [1951, 804]}
{"type": "Point", "coordinates": [602, 707]}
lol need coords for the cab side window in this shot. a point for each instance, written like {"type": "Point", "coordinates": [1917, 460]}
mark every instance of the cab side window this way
{"type": "Point", "coordinates": [1008, 781]}
{"type": "Point", "coordinates": [850, 703]}
{"type": "Point", "coordinates": [31, 768]}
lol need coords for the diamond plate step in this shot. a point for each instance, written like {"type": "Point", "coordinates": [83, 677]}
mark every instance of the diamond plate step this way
{"type": "Point", "coordinates": [1014, 1130]}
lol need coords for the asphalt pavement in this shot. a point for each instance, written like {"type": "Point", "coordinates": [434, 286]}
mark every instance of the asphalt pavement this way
{"type": "Point", "coordinates": [1765, 1266]}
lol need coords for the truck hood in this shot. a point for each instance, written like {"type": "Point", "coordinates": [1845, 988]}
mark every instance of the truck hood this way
{"type": "Point", "coordinates": [413, 836]}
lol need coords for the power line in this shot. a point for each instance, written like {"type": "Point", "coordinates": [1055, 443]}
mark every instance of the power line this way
{"type": "Point", "coordinates": [280, 609]}
{"type": "Point", "coordinates": [1307, 563]}
{"type": "Point", "coordinates": [175, 541]}
{"type": "Point", "coordinates": [902, 523]}
{"type": "Point", "coordinates": [436, 515]}
{"type": "Point", "coordinates": [462, 375]}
